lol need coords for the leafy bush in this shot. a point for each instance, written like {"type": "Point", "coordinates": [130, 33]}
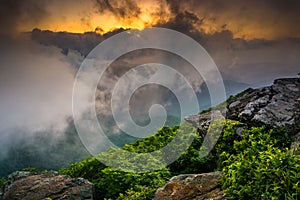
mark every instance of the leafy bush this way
{"type": "Point", "coordinates": [90, 169]}
{"type": "Point", "coordinates": [160, 139]}
{"type": "Point", "coordinates": [270, 174]}
{"type": "Point", "coordinates": [256, 164]}
{"type": "Point", "coordinates": [31, 169]}
{"type": "Point", "coordinates": [139, 193]}
{"type": "Point", "coordinates": [189, 161]}
{"type": "Point", "coordinates": [261, 168]}
{"type": "Point", "coordinates": [2, 181]}
{"type": "Point", "coordinates": [110, 183]}
{"type": "Point", "coordinates": [114, 182]}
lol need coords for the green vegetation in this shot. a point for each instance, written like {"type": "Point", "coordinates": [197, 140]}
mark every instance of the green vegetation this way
{"type": "Point", "coordinates": [227, 102]}
{"type": "Point", "coordinates": [261, 167]}
{"type": "Point", "coordinates": [110, 183]}
{"type": "Point", "coordinates": [44, 151]}
{"type": "Point", "coordinates": [256, 163]}
{"type": "Point", "coordinates": [2, 181]}
{"type": "Point", "coordinates": [31, 169]}
{"type": "Point", "coordinates": [233, 98]}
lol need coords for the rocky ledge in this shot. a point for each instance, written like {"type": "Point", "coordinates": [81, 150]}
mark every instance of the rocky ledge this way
{"type": "Point", "coordinates": [276, 106]}
{"type": "Point", "coordinates": [22, 185]}
{"type": "Point", "coordinates": [192, 187]}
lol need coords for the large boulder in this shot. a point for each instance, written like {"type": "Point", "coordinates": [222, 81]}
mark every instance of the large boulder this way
{"type": "Point", "coordinates": [277, 105]}
{"type": "Point", "coordinates": [192, 187]}
{"type": "Point", "coordinates": [23, 185]}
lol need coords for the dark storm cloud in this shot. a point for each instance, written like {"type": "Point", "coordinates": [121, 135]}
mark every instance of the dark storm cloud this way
{"type": "Point", "coordinates": [255, 18]}
{"type": "Point", "coordinates": [126, 9]}
{"type": "Point", "coordinates": [184, 22]}
{"type": "Point", "coordinates": [285, 7]}
{"type": "Point", "coordinates": [15, 12]}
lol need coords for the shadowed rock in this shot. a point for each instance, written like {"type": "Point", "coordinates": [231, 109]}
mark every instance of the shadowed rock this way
{"type": "Point", "coordinates": [277, 105]}
{"type": "Point", "coordinates": [192, 187]}
{"type": "Point", "coordinates": [27, 186]}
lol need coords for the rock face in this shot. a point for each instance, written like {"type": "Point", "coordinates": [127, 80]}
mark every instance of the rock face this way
{"type": "Point", "coordinates": [192, 187]}
{"type": "Point", "coordinates": [277, 105]}
{"type": "Point", "coordinates": [27, 186]}
{"type": "Point", "coordinates": [295, 146]}
{"type": "Point", "coordinates": [202, 121]}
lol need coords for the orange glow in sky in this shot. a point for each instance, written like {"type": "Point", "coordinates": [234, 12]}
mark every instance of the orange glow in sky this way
{"type": "Point", "coordinates": [85, 15]}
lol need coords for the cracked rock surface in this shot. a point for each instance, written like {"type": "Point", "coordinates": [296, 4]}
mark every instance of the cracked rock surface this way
{"type": "Point", "coordinates": [192, 187]}
{"type": "Point", "coordinates": [277, 105]}
{"type": "Point", "coordinates": [23, 185]}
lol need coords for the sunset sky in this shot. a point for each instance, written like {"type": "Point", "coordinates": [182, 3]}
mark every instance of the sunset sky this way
{"type": "Point", "coordinates": [245, 19]}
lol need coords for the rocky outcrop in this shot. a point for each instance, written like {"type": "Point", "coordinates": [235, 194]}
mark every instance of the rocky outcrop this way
{"type": "Point", "coordinates": [192, 187]}
{"type": "Point", "coordinates": [295, 146]}
{"type": "Point", "coordinates": [202, 121]}
{"type": "Point", "coordinates": [277, 105]}
{"type": "Point", "coordinates": [23, 185]}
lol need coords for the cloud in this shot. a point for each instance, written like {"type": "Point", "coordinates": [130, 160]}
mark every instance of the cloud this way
{"type": "Point", "coordinates": [235, 57]}
{"type": "Point", "coordinates": [13, 13]}
{"type": "Point", "coordinates": [82, 43]}
{"type": "Point", "coordinates": [36, 85]}
{"type": "Point", "coordinates": [126, 9]}
{"type": "Point", "coordinates": [245, 19]}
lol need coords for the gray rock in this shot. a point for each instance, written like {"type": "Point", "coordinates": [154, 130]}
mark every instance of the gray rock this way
{"type": "Point", "coordinates": [202, 121]}
{"type": "Point", "coordinates": [192, 187]}
{"type": "Point", "coordinates": [28, 186]}
{"type": "Point", "coordinates": [295, 146]}
{"type": "Point", "coordinates": [276, 106]}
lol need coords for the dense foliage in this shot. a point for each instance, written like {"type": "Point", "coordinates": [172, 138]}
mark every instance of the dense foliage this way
{"type": "Point", "coordinates": [2, 181]}
{"type": "Point", "coordinates": [113, 183]}
{"type": "Point", "coordinates": [256, 162]}
{"type": "Point", "coordinates": [261, 167]}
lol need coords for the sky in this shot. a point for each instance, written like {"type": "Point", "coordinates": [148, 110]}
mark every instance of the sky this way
{"type": "Point", "coordinates": [269, 19]}
{"type": "Point", "coordinates": [43, 43]}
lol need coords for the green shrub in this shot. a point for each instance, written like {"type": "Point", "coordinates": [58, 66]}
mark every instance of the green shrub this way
{"type": "Point", "coordinates": [270, 174]}
{"type": "Point", "coordinates": [139, 193]}
{"type": "Point", "coordinates": [90, 169]}
{"type": "Point", "coordinates": [2, 181]}
{"type": "Point", "coordinates": [31, 169]}
{"type": "Point", "coordinates": [152, 143]}
{"type": "Point", "coordinates": [189, 161]}
{"type": "Point", "coordinates": [114, 182]}
{"type": "Point", "coordinates": [256, 165]}
{"type": "Point", "coordinates": [261, 168]}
